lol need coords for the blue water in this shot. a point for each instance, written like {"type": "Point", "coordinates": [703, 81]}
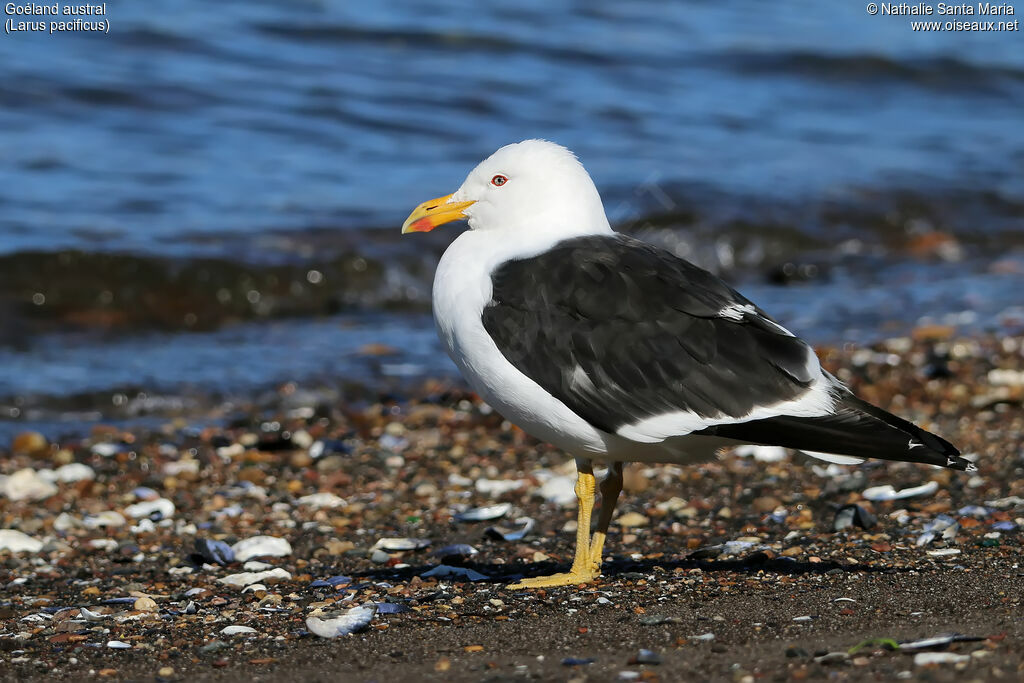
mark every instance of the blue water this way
{"type": "Point", "coordinates": [197, 127]}
{"type": "Point", "coordinates": [192, 120]}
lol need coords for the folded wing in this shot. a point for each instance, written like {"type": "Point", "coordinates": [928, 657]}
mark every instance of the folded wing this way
{"type": "Point", "coordinates": [643, 344]}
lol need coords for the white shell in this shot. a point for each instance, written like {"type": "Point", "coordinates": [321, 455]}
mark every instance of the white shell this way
{"type": "Point", "coordinates": [484, 514]}
{"type": "Point", "coordinates": [261, 546]}
{"type": "Point", "coordinates": [400, 544]}
{"type": "Point", "coordinates": [322, 500]}
{"type": "Point", "coordinates": [522, 526]}
{"type": "Point", "coordinates": [761, 453]}
{"type": "Point", "coordinates": [926, 658]}
{"type": "Point", "coordinates": [887, 492]}
{"type": "Point", "coordinates": [74, 471]}
{"type": "Point", "coordinates": [350, 621]}
{"type": "Point", "coordinates": [27, 484]}
{"type": "Point", "coordinates": [247, 578]}
{"type": "Point", "coordinates": [107, 518]}
{"type": "Point", "coordinates": [18, 542]}
{"type": "Point", "coordinates": [148, 507]}
{"type": "Point", "coordinates": [560, 490]}
{"type": "Point", "coordinates": [498, 487]}
{"type": "Point", "coordinates": [256, 566]}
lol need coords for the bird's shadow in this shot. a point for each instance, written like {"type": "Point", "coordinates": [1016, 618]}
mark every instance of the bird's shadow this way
{"type": "Point", "coordinates": [614, 569]}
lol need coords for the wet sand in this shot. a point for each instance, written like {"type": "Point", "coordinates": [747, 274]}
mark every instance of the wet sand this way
{"type": "Point", "coordinates": [731, 571]}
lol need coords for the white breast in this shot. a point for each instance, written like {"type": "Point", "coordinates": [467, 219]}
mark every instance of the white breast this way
{"type": "Point", "coordinates": [462, 287]}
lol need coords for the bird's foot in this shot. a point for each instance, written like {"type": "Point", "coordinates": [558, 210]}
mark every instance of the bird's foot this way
{"type": "Point", "coordinates": [573, 577]}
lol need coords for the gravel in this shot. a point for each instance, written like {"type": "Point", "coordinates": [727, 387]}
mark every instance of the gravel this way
{"type": "Point", "coordinates": [191, 551]}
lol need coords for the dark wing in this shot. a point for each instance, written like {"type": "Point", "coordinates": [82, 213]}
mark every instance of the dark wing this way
{"type": "Point", "coordinates": [621, 331]}
{"type": "Point", "coordinates": [855, 428]}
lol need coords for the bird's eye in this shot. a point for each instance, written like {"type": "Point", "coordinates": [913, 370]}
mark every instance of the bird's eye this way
{"type": "Point", "coordinates": [499, 180]}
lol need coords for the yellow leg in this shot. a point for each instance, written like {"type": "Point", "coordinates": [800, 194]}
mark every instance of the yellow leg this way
{"type": "Point", "coordinates": [611, 487]}
{"type": "Point", "coordinates": [582, 570]}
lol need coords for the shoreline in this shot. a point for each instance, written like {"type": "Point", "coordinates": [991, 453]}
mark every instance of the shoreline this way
{"type": "Point", "coordinates": [126, 381]}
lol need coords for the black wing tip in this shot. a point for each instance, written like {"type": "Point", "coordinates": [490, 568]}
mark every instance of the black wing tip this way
{"type": "Point", "coordinates": [924, 446]}
{"type": "Point", "coordinates": [937, 451]}
{"type": "Point", "coordinates": [955, 462]}
{"type": "Point", "coordinates": [930, 449]}
{"type": "Point", "coordinates": [856, 429]}
{"type": "Point", "coordinates": [921, 437]}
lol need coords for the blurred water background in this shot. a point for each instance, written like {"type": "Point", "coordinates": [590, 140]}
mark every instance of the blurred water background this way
{"type": "Point", "coordinates": [206, 201]}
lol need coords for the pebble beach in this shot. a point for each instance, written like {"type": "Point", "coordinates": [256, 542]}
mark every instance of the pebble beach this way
{"type": "Point", "coordinates": [335, 538]}
{"type": "Point", "coordinates": [232, 447]}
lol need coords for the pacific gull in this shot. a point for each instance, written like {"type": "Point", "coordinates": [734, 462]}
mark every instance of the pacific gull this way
{"type": "Point", "coordinates": [618, 351]}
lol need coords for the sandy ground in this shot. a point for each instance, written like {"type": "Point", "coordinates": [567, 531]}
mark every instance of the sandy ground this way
{"type": "Point", "coordinates": [736, 570]}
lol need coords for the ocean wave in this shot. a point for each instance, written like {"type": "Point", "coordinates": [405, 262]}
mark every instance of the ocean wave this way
{"type": "Point", "coordinates": [321, 271]}
{"type": "Point", "coordinates": [948, 74]}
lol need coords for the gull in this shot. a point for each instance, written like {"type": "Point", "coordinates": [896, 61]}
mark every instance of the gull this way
{"type": "Point", "coordinates": [617, 351]}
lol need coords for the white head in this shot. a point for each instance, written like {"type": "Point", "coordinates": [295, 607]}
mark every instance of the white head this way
{"type": "Point", "coordinates": [526, 187]}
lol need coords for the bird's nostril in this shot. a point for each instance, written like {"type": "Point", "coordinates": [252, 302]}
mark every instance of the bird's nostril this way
{"type": "Point", "coordinates": [431, 208]}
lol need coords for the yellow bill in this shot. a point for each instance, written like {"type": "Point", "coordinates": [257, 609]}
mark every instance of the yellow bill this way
{"type": "Point", "coordinates": [433, 213]}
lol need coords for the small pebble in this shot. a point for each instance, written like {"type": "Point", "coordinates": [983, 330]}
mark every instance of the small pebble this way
{"type": "Point", "coordinates": [632, 520]}
{"type": "Point", "coordinates": [30, 443]}
{"type": "Point", "coordinates": [578, 661]}
{"type": "Point", "coordinates": [145, 604]}
{"type": "Point", "coordinates": [646, 657]}
{"type": "Point", "coordinates": [853, 515]}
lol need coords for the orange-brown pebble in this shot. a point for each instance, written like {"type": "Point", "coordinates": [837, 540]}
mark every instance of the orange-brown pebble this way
{"type": "Point", "coordinates": [252, 474]}
{"type": "Point", "coordinates": [765, 504]}
{"type": "Point", "coordinates": [300, 459]}
{"type": "Point", "coordinates": [30, 443]}
{"type": "Point", "coordinates": [633, 480]}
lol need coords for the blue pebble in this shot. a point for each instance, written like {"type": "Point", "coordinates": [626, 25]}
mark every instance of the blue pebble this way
{"type": "Point", "coordinates": [216, 552]}
{"type": "Point", "coordinates": [577, 661]}
{"type": "Point", "coordinates": [331, 581]}
{"type": "Point", "coordinates": [390, 608]}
